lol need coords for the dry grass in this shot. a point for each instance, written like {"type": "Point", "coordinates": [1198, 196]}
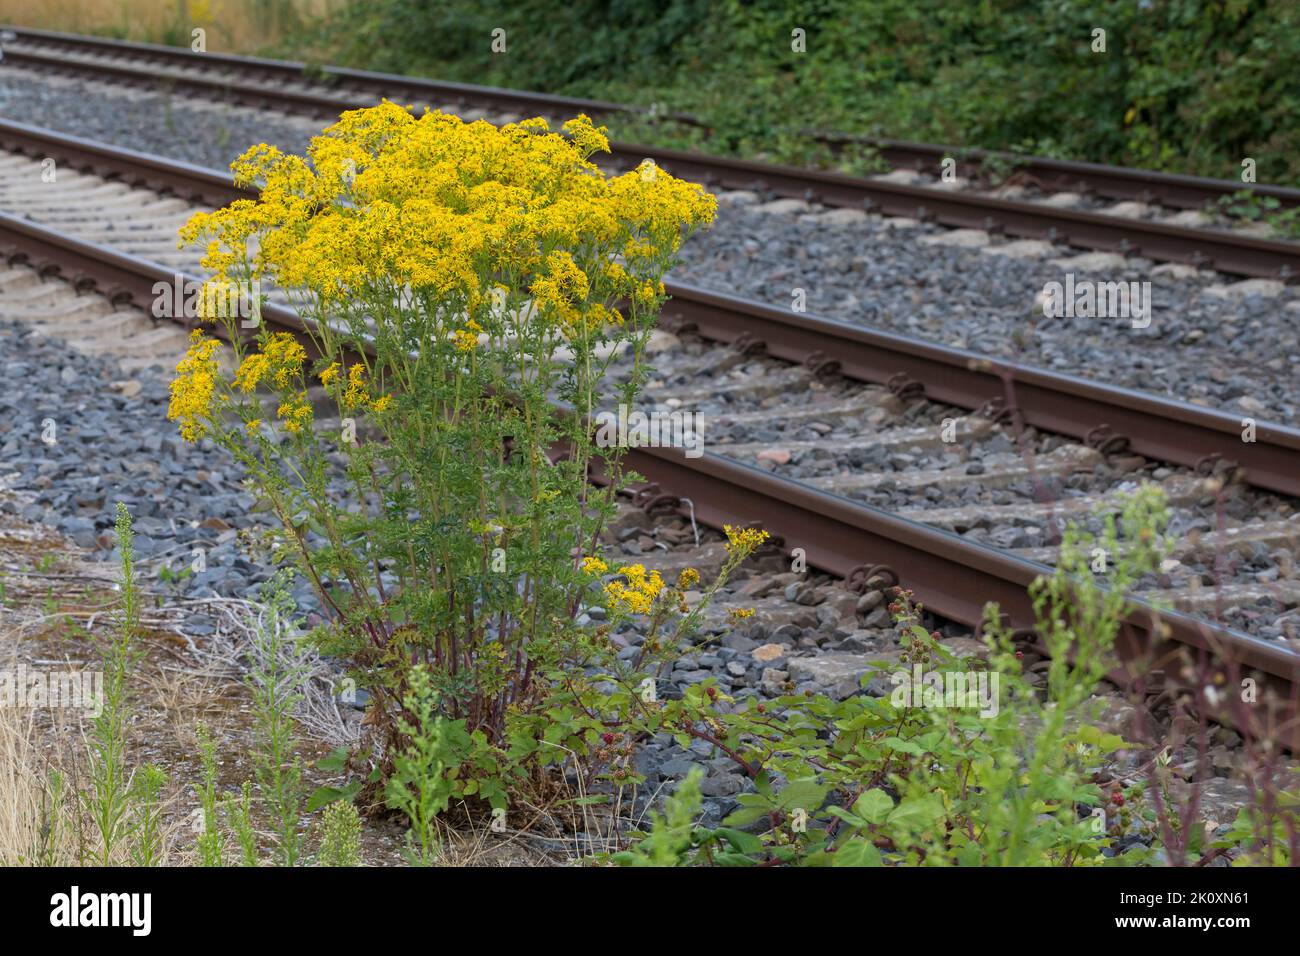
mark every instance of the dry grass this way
{"type": "Point", "coordinates": [35, 827]}
{"type": "Point", "coordinates": [233, 26]}
{"type": "Point", "coordinates": [56, 608]}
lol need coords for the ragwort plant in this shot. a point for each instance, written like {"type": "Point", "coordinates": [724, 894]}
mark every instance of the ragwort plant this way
{"type": "Point", "coordinates": [457, 280]}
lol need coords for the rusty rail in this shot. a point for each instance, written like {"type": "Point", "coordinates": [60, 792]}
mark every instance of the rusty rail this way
{"type": "Point", "coordinates": [1158, 428]}
{"type": "Point", "coordinates": [1222, 250]}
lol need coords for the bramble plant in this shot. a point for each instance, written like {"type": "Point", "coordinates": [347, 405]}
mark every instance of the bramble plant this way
{"type": "Point", "coordinates": [456, 280]}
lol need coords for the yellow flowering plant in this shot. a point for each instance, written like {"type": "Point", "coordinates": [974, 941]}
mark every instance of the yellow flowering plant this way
{"type": "Point", "coordinates": [456, 281]}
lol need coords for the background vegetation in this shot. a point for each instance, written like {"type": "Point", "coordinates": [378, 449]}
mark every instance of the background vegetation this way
{"type": "Point", "coordinates": [242, 26]}
{"type": "Point", "coordinates": [1185, 85]}
{"type": "Point", "coordinates": [1190, 86]}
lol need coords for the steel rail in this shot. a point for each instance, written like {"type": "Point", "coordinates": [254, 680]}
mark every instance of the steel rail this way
{"type": "Point", "coordinates": [1158, 428]}
{"type": "Point", "coordinates": [1114, 182]}
{"type": "Point", "coordinates": [1226, 251]}
{"type": "Point", "coordinates": [392, 85]}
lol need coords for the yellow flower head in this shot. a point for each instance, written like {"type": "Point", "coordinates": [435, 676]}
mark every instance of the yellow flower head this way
{"type": "Point", "coordinates": [594, 566]}
{"type": "Point", "coordinates": [194, 388]}
{"type": "Point", "coordinates": [295, 413]}
{"type": "Point", "coordinates": [433, 204]}
{"type": "Point", "coordinates": [744, 539]}
{"type": "Point", "coordinates": [358, 392]}
{"type": "Point", "coordinates": [688, 579]}
{"type": "Point", "coordinates": [639, 593]}
{"type": "Point", "coordinates": [280, 361]}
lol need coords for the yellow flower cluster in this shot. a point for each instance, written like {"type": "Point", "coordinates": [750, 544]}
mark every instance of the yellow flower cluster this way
{"type": "Point", "coordinates": [640, 591]}
{"type": "Point", "coordinates": [193, 388]}
{"type": "Point", "coordinates": [357, 392]}
{"type": "Point", "coordinates": [295, 413]}
{"type": "Point", "coordinates": [466, 339]}
{"type": "Point", "coordinates": [688, 579]}
{"type": "Point", "coordinates": [738, 614]}
{"type": "Point", "coordinates": [280, 361]}
{"type": "Point", "coordinates": [594, 566]}
{"type": "Point", "coordinates": [442, 207]}
{"type": "Point", "coordinates": [744, 539]}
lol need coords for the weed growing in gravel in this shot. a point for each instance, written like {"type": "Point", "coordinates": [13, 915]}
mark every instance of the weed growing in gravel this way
{"type": "Point", "coordinates": [239, 811]}
{"type": "Point", "coordinates": [340, 836]}
{"type": "Point", "coordinates": [211, 840]}
{"type": "Point", "coordinates": [460, 279]}
{"type": "Point", "coordinates": [275, 682]}
{"type": "Point", "coordinates": [109, 800]}
{"type": "Point", "coordinates": [146, 798]}
{"type": "Point", "coordinates": [869, 782]}
{"type": "Point", "coordinates": [1247, 206]}
{"type": "Point", "coordinates": [424, 778]}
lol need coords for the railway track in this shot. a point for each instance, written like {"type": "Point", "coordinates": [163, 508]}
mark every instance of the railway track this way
{"type": "Point", "coordinates": [99, 233]}
{"type": "Point", "coordinates": [295, 88]}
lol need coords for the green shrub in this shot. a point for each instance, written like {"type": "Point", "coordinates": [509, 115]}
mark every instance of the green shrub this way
{"type": "Point", "coordinates": [1184, 85]}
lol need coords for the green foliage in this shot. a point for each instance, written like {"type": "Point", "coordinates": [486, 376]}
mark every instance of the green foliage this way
{"type": "Point", "coordinates": [1248, 206]}
{"type": "Point", "coordinates": [211, 842]}
{"type": "Point", "coordinates": [424, 777]}
{"type": "Point", "coordinates": [1184, 85]}
{"type": "Point", "coordinates": [110, 778]}
{"type": "Point", "coordinates": [675, 839]}
{"type": "Point", "coordinates": [912, 779]}
{"type": "Point", "coordinates": [239, 811]}
{"type": "Point", "coordinates": [276, 681]}
{"type": "Point", "coordinates": [146, 796]}
{"type": "Point", "coordinates": [340, 835]}
{"type": "Point", "coordinates": [1268, 829]}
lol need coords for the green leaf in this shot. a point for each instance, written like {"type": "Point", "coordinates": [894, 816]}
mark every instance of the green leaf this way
{"type": "Point", "coordinates": [917, 814]}
{"type": "Point", "coordinates": [327, 795]}
{"type": "Point", "coordinates": [732, 859]}
{"type": "Point", "coordinates": [745, 815]}
{"type": "Point", "coordinates": [336, 760]}
{"type": "Point", "coordinates": [857, 852]}
{"type": "Point", "coordinates": [852, 819]}
{"type": "Point", "coordinates": [874, 805]}
{"type": "Point", "coordinates": [904, 746]}
{"type": "Point", "coordinates": [805, 793]}
{"type": "Point", "coordinates": [588, 801]}
{"type": "Point", "coordinates": [740, 841]}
